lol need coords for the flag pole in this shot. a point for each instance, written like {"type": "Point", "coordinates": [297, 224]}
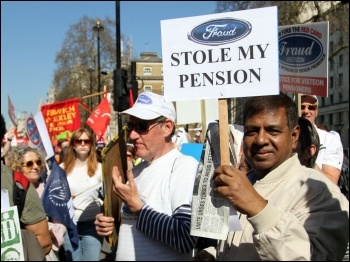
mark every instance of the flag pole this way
{"type": "Point", "coordinates": [40, 104]}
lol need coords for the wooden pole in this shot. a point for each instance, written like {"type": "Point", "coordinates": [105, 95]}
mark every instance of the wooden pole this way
{"type": "Point", "coordinates": [204, 119]}
{"type": "Point", "coordinates": [223, 129]}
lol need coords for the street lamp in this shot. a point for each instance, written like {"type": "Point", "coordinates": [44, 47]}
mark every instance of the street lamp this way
{"type": "Point", "coordinates": [90, 70]}
{"type": "Point", "coordinates": [98, 27]}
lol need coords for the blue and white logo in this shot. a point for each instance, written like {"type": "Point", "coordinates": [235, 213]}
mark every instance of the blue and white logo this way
{"type": "Point", "coordinates": [220, 31]}
{"type": "Point", "coordinates": [299, 50]}
{"type": "Point", "coordinates": [58, 193]}
{"type": "Point", "coordinates": [144, 99]}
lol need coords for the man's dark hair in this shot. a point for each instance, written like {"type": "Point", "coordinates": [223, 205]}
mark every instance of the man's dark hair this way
{"type": "Point", "coordinates": [257, 104]}
{"type": "Point", "coordinates": [308, 136]}
{"type": "Point", "coordinates": [3, 127]}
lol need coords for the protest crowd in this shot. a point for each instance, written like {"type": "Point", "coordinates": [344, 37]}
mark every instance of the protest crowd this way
{"type": "Point", "coordinates": [282, 194]}
{"type": "Point", "coordinates": [156, 216]}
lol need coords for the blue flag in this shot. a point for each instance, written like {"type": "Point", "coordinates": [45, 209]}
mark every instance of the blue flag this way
{"type": "Point", "coordinates": [57, 202]}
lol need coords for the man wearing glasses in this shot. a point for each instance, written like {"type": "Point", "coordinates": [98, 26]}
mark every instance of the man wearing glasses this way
{"type": "Point", "coordinates": [156, 210]}
{"type": "Point", "coordinates": [330, 156]}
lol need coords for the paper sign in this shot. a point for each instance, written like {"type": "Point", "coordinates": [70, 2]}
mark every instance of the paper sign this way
{"type": "Point", "coordinates": [303, 52]}
{"type": "Point", "coordinates": [233, 54]}
{"type": "Point", "coordinates": [11, 239]}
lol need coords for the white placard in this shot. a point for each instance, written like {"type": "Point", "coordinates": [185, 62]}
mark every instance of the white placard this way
{"type": "Point", "coordinates": [44, 134]}
{"type": "Point", "coordinates": [188, 112]}
{"type": "Point", "coordinates": [11, 238]}
{"type": "Point", "coordinates": [233, 54]}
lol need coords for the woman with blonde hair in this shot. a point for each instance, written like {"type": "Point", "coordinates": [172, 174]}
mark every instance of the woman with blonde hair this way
{"type": "Point", "coordinates": [31, 163]}
{"type": "Point", "coordinates": [84, 175]}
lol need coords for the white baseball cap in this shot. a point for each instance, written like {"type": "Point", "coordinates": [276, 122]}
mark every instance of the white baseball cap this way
{"type": "Point", "coordinates": [150, 106]}
{"type": "Point", "coordinates": [313, 96]}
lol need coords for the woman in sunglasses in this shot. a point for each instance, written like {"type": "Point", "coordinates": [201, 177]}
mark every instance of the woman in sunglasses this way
{"type": "Point", "coordinates": [84, 175]}
{"type": "Point", "coordinates": [31, 163]}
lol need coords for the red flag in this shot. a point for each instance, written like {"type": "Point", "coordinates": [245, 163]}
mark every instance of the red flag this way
{"type": "Point", "coordinates": [61, 117]}
{"type": "Point", "coordinates": [100, 117]}
{"type": "Point", "coordinates": [12, 112]}
{"type": "Point", "coordinates": [131, 98]}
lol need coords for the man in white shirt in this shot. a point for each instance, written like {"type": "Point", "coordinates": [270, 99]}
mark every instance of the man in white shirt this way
{"type": "Point", "coordinates": [156, 209]}
{"type": "Point", "coordinates": [330, 156]}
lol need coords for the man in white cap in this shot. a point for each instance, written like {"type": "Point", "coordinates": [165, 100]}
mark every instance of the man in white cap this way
{"type": "Point", "coordinates": [156, 209]}
{"type": "Point", "coordinates": [330, 156]}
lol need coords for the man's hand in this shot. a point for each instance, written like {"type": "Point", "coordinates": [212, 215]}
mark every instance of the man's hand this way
{"type": "Point", "coordinates": [104, 225]}
{"type": "Point", "coordinates": [128, 192]}
{"type": "Point", "coordinates": [232, 183]}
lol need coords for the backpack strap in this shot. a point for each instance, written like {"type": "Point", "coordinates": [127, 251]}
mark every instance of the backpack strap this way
{"type": "Point", "coordinates": [20, 187]}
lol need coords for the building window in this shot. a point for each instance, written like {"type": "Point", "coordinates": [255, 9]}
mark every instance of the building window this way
{"type": "Point", "coordinates": [340, 118]}
{"type": "Point", "coordinates": [331, 64]}
{"type": "Point", "coordinates": [331, 47]}
{"type": "Point", "coordinates": [331, 99]}
{"type": "Point", "coordinates": [340, 79]}
{"type": "Point", "coordinates": [341, 40]}
{"type": "Point", "coordinates": [147, 71]}
{"type": "Point", "coordinates": [147, 88]}
{"type": "Point", "coordinates": [340, 60]}
{"type": "Point", "coordinates": [331, 82]}
{"type": "Point", "coordinates": [330, 119]}
{"type": "Point", "coordinates": [340, 97]}
{"type": "Point", "coordinates": [321, 119]}
{"type": "Point", "coordinates": [323, 101]}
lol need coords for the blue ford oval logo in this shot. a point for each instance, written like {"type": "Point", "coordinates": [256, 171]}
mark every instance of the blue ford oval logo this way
{"type": "Point", "coordinates": [220, 31]}
{"type": "Point", "coordinates": [144, 99]}
{"type": "Point", "coordinates": [299, 50]}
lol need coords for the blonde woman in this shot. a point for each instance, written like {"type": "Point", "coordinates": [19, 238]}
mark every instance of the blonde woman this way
{"type": "Point", "coordinates": [30, 162]}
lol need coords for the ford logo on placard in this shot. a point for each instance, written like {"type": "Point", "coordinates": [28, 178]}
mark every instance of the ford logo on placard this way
{"type": "Point", "coordinates": [299, 50]}
{"type": "Point", "coordinates": [220, 31]}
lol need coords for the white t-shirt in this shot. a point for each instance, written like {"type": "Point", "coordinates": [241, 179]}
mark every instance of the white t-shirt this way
{"type": "Point", "coordinates": [79, 182]}
{"type": "Point", "coordinates": [165, 184]}
{"type": "Point", "coordinates": [331, 149]}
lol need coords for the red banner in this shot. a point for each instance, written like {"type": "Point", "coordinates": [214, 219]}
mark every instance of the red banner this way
{"type": "Point", "coordinates": [100, 117]}
{"type": "Point", "coordinates": [61, 117]}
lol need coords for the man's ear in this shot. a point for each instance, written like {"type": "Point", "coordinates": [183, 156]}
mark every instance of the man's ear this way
{"type": "Point", "coordinates": [311, 151]}
{"type": "Point", "coordinates": [169, 126]}
{"type": "Point", "coordinates": [295, 137]}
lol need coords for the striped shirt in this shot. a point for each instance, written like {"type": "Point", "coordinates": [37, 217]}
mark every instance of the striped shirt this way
{"type": "Point", "coordinates": [161, 231]}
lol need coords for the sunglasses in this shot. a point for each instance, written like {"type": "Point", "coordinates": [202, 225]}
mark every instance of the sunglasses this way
{"type": "Point", "coordinates": [30, 163]}
{"type": "Point", "coordinates": [78, 142]}
{"type": "Point", "coordinates": [141, 127]}
{"type": "Point", "coordinates": [309, 107]}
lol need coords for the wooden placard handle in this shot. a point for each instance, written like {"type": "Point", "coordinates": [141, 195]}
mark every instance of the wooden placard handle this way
{"type": "Point", "coordinates": [223, 129]}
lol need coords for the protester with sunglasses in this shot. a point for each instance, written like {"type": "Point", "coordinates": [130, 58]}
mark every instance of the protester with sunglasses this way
{"type": "Point", "coordinates": [84, 175]}
{"type": "Point", "coordinates": [330, 156]}
{"type": "Point", "coordinates": [33, 215]}
{"type": "Point", "coordinates": [30, 162]}
{"type": "Point", "coordinates": [156, 209]}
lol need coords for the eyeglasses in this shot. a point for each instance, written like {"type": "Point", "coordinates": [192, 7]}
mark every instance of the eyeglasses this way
{"type": "Point", "coordinates": [141, 127]}
{"type": "Point", "coordinates": [309, 107]}
{"type": "Point", "coordinates": [30, 163]}
{"type": "Point", "coordinates": [78, 142]}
